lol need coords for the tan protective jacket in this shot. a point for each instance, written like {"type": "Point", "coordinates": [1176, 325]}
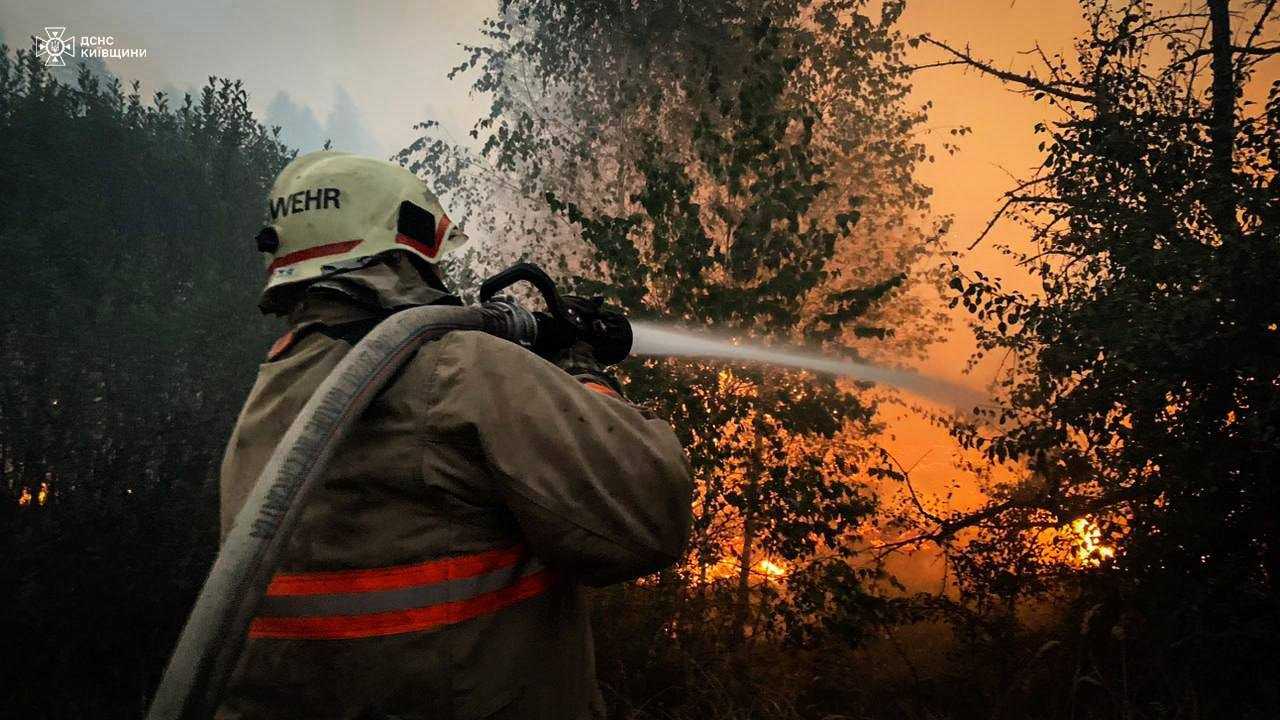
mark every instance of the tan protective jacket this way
{"type": "Point", "coordinates": [436, 573]}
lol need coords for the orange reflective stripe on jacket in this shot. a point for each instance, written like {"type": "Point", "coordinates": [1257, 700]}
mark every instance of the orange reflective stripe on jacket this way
{"type": "Point", "coordinates": [599, 387]}
{"type": "Point", "coordinates": [389, 601]}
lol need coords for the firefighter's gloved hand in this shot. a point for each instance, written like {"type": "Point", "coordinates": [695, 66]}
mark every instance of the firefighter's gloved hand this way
{"type": "Point", "coordinates": [580, 362]}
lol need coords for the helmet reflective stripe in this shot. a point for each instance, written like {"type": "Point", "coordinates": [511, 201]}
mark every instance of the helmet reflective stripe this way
{"type": "Point", "coordinates": [333, 211]}
{"type": "Point", "coordinates": [294, 258]}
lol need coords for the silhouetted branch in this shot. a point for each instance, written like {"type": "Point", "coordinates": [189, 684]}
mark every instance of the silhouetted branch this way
{"type": "Point", "coordinates": [1053, 69]}
{"type": "Point", "coordinates": [991, 223]}
{"type": "Point", "coordinates": [911, 490]}
{"type": "Point", "coordinates": [1055, 89]}
{"type": "Point", "coordinates": [1153, 22]}
{"type": "Point", "coordinates": [1234, 50]}
{"type": "Point", "coordinates": [947, 527]}
{"type": "Point", "coordinates": [1222, 128]}
{"type": "Point", "coordinates": [1262, 20]}
{"type": "Point", "coordinates": [941, 63]}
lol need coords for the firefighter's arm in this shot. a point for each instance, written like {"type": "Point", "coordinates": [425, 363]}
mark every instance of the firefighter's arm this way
{"type": "Point", "coordinates": [597, 487]}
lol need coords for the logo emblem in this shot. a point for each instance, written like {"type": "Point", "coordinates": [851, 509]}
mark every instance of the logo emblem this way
{"type": "Point", "coordinates": [54, 46]}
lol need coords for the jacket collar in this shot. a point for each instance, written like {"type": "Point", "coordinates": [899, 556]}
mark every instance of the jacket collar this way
{"type": "Point", "coordinates": [375, 290]}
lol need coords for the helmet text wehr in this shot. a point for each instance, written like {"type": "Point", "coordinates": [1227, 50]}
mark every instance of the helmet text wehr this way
{"type": "Point", "coordinates": [304, 200]}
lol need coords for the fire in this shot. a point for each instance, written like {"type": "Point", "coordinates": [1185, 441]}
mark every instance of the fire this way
{"type": "Point", "coordinates": [728, 567]}
{"type": "Point", "coordinates": [770, 568]}
{"type": "Point", "coordinates": [1090, 551]}
{"type": "Point", "coordinates": [39, 498]}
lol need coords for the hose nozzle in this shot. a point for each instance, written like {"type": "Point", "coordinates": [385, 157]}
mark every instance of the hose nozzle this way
{"type": "Point", "coordinates": [569, 319]}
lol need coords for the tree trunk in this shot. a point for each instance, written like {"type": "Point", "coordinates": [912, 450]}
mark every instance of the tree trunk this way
{"type": "Point", "coordinates": [743, 616]}
{"type": "Point", "coordinates": [1222, 122]}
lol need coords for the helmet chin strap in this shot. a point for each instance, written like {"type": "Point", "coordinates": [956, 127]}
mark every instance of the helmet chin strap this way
{"type": "Point", "coordinates": [388, 283]}
{"type": "Point", "coordinates": [383, 284]}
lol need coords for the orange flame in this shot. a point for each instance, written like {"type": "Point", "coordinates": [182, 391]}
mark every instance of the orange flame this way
{"type": "Point", "coordinates": [40, 497]}
{"type": "Point", "coordinates": [770, 568]}
{"type": "Point", "coordinates": [729, 567]}
{"type": "Point", "coordinates": [1090, 551]}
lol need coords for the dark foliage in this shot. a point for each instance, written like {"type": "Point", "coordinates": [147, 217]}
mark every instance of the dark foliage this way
{"type": "Point", "coordinates": [128, 340]}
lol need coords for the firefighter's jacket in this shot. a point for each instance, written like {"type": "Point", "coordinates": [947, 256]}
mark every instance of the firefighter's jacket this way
{"type": "Point", "coordinates": [437, 572]}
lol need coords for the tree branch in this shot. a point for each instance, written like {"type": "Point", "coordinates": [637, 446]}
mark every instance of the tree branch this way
{"type": "Point", "coordinates": [1233, 50]}
{"type": "Point", "coordinates": [1058, 510]}
{"type": "Point", "coordinates": [990, 224]}
{"type": "Point", "coordinates": [926, 66]}
{"type": "Point", "coordinates": [1222, 130]}
{"type": "Point", "coordinates": [911, 490]}
{"type": "Point", "coordinates": [1262, 21]}
{"type": "Point", "coordinates": [947, 527]}
{"type": "Point", "coordinates": [1030, 82]}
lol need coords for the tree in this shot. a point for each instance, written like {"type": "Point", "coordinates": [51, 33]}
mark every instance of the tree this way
{"type": "Point", "coordinates": [129, 338]}
{"type": "Point", "coordinates": [1142, 399]}
{"type": "Point", "coordinates": [743, 165]}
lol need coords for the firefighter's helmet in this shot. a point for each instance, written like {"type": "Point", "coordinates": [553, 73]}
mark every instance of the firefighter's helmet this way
{"type": "Point", "coordinates": [332, 212]}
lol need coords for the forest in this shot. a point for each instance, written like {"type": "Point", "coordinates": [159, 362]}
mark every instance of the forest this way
{"type": "Point", "coordinates": [1107, 539]}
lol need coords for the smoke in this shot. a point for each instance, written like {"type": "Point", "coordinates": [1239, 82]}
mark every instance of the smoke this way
{"type": "Point", "coordinates": [344, 128]}
{"type": "Point", "coordinates": [298, 125]}
{"type": "Point", "coordinates": [70, 73]}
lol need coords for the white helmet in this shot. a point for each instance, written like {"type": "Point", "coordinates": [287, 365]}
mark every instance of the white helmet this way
{"type": "Point", "coordinates": [332, 212]}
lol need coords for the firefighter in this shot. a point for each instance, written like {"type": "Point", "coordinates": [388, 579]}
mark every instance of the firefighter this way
{"type": "Point", "coordinates": [438, 572]}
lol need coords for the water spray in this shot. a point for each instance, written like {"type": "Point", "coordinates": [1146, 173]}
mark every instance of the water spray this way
{"type": "Point", "coordinates": [659, 340]}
